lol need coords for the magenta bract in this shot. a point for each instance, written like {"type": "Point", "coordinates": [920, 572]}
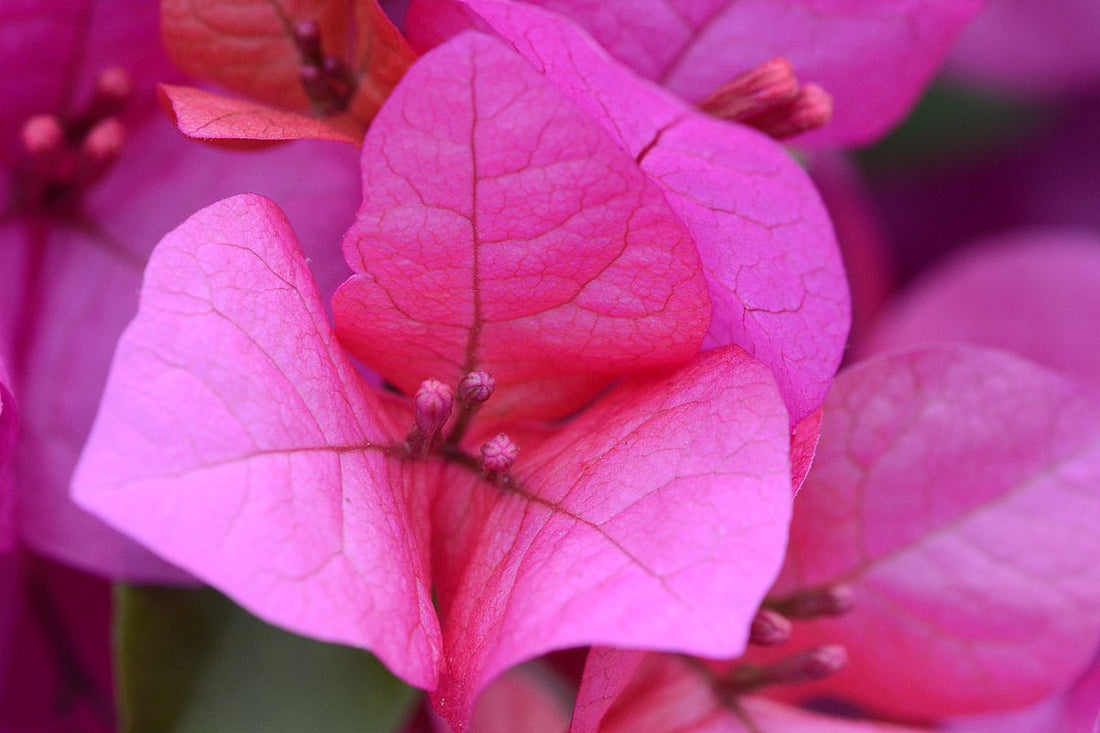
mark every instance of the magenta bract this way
{"type": "Point", "coordinates": [873, 57]}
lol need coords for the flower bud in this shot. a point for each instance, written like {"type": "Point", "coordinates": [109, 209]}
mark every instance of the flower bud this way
{"type": "Point", "coordinates": [769, 628]}
{"type": "Point", "coordinates": [498, 454]}
{"type": "Point", "coordinates": [475, 388]}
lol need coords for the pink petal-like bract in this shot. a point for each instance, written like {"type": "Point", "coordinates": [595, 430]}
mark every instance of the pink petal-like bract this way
{"type": "Point", "coordinates": [769, 255]}
{"type": "Point", "coordinates": [628, 691]}
{"type": "Point", "coordinates": [237, 440]}
{"type": "Point", "coordinates": [1076, 710]}
{"type": "Point", "coordinates": [254, 47]}
{"type": "Point", "coordinates": [205, 115]}
{"type": "Point", "coordinates": [1035, 48]}
{"type": "Point", "coordinates": [955, 490]}
{"type": "Point", "coordinates": [655, 519]}
{"type": "Point", "coordinates": [1035, 293]}
{"type": "Point", "coordinates": [873, 56]}
{"type": "Point", "coordinates": [502, 229]}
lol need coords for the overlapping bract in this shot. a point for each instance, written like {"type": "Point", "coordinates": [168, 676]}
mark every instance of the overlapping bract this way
{"type": "Point", "coordinates": [873, 57]}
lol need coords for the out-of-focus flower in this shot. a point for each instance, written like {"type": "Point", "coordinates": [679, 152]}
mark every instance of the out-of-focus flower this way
{"type": "Point", "coordinates": [1041, 49]}
{"type": "Point", "coordinates": [90, 177]}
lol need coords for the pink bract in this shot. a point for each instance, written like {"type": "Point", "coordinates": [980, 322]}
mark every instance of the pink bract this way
{"type": "Point", "coordinates": [768, 252]}
{"type": "Point", "coordinates": [954, 490]}
{"type": "Point", "coordinates": [874, 57]}
{"type": "Point", "coordinates": [284, 484]}
{"type": "Point", "coordinates": [498, 215]}
{"type": "Point", "coordinates": [1035, 293]}
{"type": "Point", "coordinates": [1020, 46]}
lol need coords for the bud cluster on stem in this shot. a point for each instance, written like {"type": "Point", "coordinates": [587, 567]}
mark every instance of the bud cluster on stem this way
{"type": "Point", "coordinates": [67, 154]}
{"type": "Point", "coordinates": [328, 81]}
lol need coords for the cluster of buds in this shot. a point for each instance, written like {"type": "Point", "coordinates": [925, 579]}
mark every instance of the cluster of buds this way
{"type": "Point", "coordinates": [433, 406]}
{"type": "Point", "coordinates": [772, 626]}
{"type": "Point", "coordinates": [328, 81]}
{"type": "Point", "coordinates": [770, 98]}
{"type": "Point", "coordinates": [67, 154]}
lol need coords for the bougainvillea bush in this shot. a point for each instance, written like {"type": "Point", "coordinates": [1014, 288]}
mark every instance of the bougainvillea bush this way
{"type": "Point", "coordinates": [485, 365]}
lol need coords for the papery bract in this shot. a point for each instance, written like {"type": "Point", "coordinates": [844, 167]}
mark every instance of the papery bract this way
{"type": "Point", "coordinates": [1020, 46]}
{"type": "Point", "coordinates": [497, 216]}
{"type": "Point", "coordinates": [1035, 293]}
{"type": "Point", "coordinates": [769, 255]}
{"type": "Point", "coordinates": [1076, 710]}
{"type": "Point", "coordinates": [873, 57]}
{"type": "Point", "coordinates": [256, 48]}
{"type": "Point", "coordinates": [954, 490]}
{"type": "Point", "coordinates": [286, 483]}
{"type": "Point", "coordinates": [279, 463]}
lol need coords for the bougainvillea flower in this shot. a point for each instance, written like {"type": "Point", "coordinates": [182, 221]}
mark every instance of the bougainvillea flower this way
{"type": "Point", "coordinates": [1019, 46]}
{"type": "Point", "coordinates": [55, 646]}
{"type": "Point", "coordinates": [873, 57]}
{"type": "Point", "coordinates": [93, 176]}
{"type": "Point", "coordinates": [237, 439]}
{"type": "Point", "coordinates": [1051, 278]}
{"type": "Point", "coordinates": [953, 493]}
{"type": "Point", "coordinates": [505, 230]}
{"type": "Point", "coordinates": [1076, 710]}
{"type": "Point", "coordinates": [316, 69]}
{"type": "Point", "coordinates": [769, 255]}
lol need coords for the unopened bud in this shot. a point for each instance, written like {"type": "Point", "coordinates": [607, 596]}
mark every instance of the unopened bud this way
{"type": "Point", "coordinates": [498, 454]}
{"type": "Point", "coordinates": [769, 628]}
{"type": "Point", "coordinates": [760, 88]}
{"type": "Point", "coordinates": [432, 406]}
{"type": "Point", "coordinates": [113, 88]}
{"type": "Point", "coordinates": [475, 388]}
{"type": "Point", "coordinates": [307, 38]}
{"type": "Point", "coordinates": [812, 108]}
{"type": "Point", "coordinates": [807, 666]}
{"type": "Point", "coordinates": [832, 600]}
{"type": "Point", "coordinates": [42, 136]}
{"type": "Point", "coordinates": [99, 150]}
{"type": "Point", "coordinates": [103, 142]}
